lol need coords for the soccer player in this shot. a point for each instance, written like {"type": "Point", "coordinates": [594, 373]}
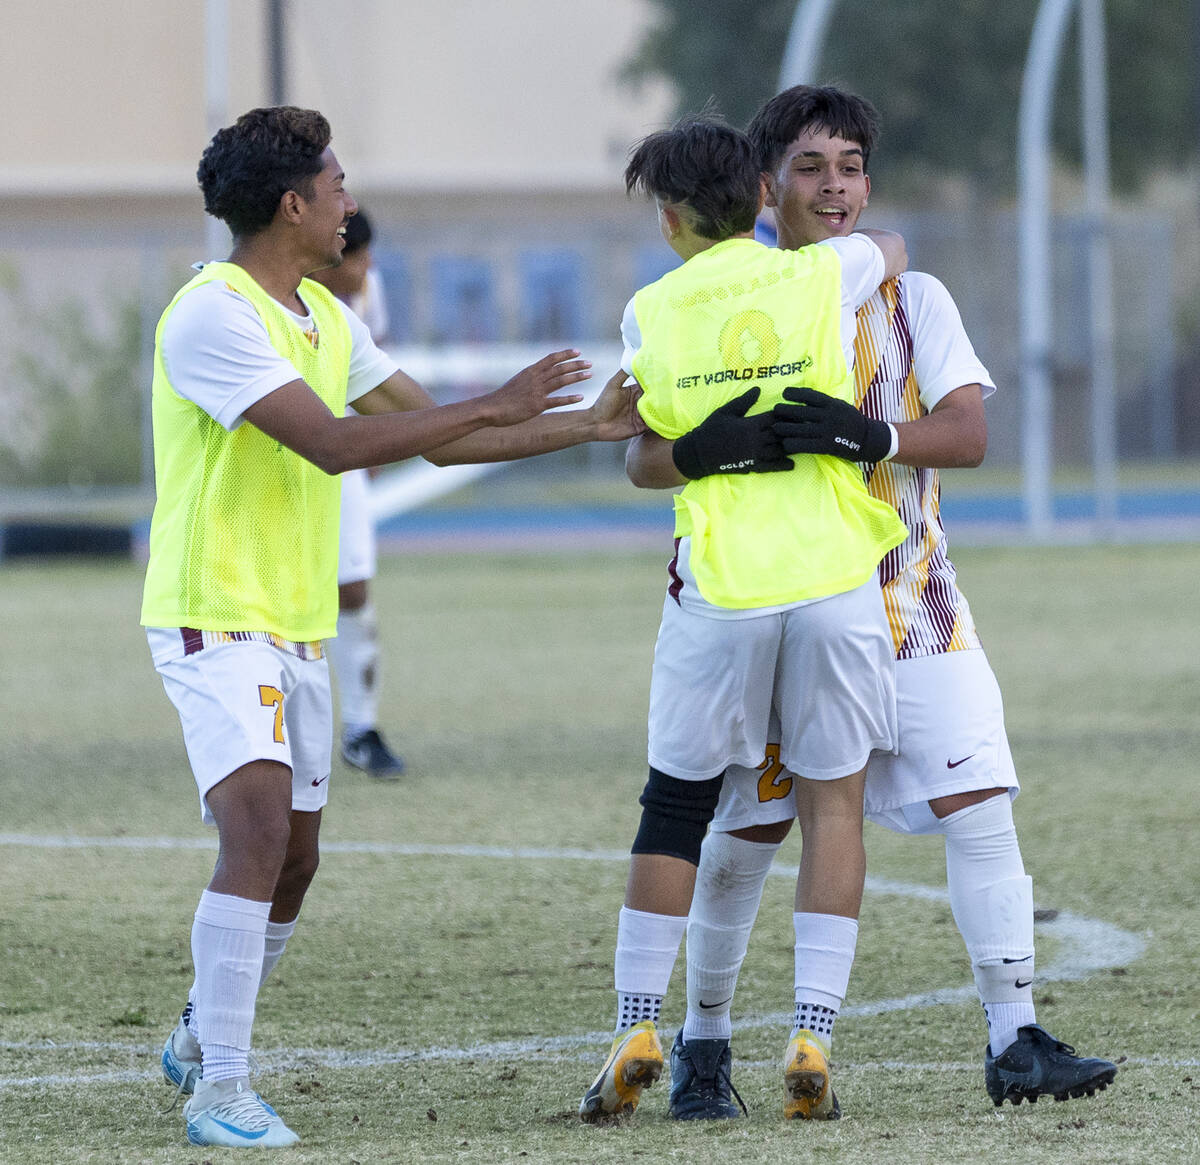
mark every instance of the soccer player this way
{"type": "Point", "coordinates": [773, 594]}
{"type": "Point", "coordinates": [919, 388]}
{"type": "Point", "coordinates": [253, 367]}
{"type": "Point", "coordinates": [354, 652]}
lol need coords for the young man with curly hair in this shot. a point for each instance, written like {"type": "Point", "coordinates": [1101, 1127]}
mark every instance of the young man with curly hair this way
{"type": "Point", "coordinates": [254, 365]}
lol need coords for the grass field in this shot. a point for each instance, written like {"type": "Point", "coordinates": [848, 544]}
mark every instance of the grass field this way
{"type": "Point", "coordinates": [447, 995]}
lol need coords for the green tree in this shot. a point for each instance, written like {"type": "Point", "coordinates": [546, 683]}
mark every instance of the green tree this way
{"type": "Point", "coordinates": [721, 50]}
{"type": "Point", "coordinates": [946, 78]}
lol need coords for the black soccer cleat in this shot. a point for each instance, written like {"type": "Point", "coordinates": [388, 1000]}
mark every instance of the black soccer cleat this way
{"type": "Point", "coordinates": [368, 752]}
{"type": "Point", "coordinates": [1036, 1064]}
{"type": "Point", "coordinates": [700, 1083]}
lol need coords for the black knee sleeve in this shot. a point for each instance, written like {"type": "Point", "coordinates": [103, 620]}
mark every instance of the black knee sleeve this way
{"type": "Point", "coordinates": [675, 815]}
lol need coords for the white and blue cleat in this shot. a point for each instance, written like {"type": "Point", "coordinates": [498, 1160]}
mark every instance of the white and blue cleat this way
{"type": "Point", "coordinates": [230, 1114]}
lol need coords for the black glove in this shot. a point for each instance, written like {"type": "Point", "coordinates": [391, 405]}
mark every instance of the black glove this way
{"type": "Point", "coordinates": [728, 441]}
{"type": "Point", "coordinates": [817, 423]}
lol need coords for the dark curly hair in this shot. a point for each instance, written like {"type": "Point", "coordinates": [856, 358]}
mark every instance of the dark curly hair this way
{"type": "Point", "coordinates": [250, 165]}
{"type": "Point", "coordinates": [805, 107]}
{"type": "Point", "coordinates": [707, 166]}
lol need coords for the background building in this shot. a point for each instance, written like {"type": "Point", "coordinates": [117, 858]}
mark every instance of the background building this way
{"type": "Point", "coordinates": [488, 141]}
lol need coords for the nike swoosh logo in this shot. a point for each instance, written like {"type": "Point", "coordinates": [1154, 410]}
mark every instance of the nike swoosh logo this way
{"type": "Point", "coordinates": [246, 1134]}
{"type": "Point", "coordinates": [322, 780]}
{"type": "Point", "coordinates": [1023, 959]}
{"type": "Point", "coordinates": [953, 764]}
{"type": "Point", "coordinates": [710, 1006]}
{"type": "Point", "coordinates": [1022, 983]}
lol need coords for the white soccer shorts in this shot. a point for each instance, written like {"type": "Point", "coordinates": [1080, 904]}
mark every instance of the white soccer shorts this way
{"type": "Point", "coordinates": [952, 740]}
{"type": "Point", "coordinates": [356, 542]}
{"type": "Point", "coordinates": [826, 666]}
{"type": "Point", "coordinates": [248, 701]}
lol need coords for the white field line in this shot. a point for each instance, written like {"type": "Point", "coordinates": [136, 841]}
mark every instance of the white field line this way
{"type": "Point", "coordinates": [1085, 945]}
{"type": "Point", "coordinates": [299, 1062]}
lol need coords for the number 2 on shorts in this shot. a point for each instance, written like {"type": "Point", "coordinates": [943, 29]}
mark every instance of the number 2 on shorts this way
{"type": "Point", "coordinates": [770, 787]}
{"type": "Point", "coordinates": [268, 697]}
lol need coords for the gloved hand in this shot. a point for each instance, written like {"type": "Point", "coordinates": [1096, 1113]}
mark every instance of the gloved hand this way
{"type": "Point", "coordinates": [728, 441]}
{"type": "Point", "coordinates": [817, 423]}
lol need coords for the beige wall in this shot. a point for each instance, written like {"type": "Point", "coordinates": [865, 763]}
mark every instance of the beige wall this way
{"type": "Point", "coordinates": [109, 97]}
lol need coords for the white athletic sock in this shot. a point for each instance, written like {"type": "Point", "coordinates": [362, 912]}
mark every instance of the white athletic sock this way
{"type": "Point", "coordinates": [227, 948]}
{"type": "Point", "coordinates": [274, 942]}
{"type": "Point", "coordinates": [1004, 1020]}
{"type": "Point", "coordinates": [223, 1063]}
{"type": "Point", "coordinates": [825, 945]}
{"type": "Point", "coordinates": [647, 947]}
{"type": "Point", "coordinates": [729, 887]}
{"type": "Point", "coordinates": [991, 898]}
{"type": "Point", "coordinates": [354, 654]}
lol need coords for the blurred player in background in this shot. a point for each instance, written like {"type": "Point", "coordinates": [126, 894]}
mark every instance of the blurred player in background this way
{"type": "Point", "coordinates": [254, 365]}
{"type": "Point", "coordinates": [354, 653]}
{"type": "Point", "coordinates": [774, 596]}
{"type": "Point", "coordinates": [920, 389]}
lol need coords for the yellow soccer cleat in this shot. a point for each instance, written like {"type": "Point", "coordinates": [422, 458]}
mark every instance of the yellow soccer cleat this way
{"type": "Point", "coordinates": [635, 1062]}
{"type": "Point", "coordinates": [808, 1095]}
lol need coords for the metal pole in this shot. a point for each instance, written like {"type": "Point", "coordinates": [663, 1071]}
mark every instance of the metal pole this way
{"type": "Point", "coordinates": [805, 43]}
{"type": "Point", "coordinates": [1093, 62]}
{"type": "Point", "coordinates": [1161, 328]}
{"type": "Point", "coordinates": [1033, 213]}
{"type": "Point", "coordinates": [277, 51]}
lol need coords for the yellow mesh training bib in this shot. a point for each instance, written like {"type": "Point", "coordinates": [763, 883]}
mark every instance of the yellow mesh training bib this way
{"type": "Point", "coordinates": [245, 532]}
{"type": "Point", "coordinates": [736, 316]}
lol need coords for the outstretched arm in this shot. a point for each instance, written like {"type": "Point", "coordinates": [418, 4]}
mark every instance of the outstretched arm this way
{"type": "Point", "coordinates": [613, 416]}
{"type": "Point", "coordinates": [297, 418]}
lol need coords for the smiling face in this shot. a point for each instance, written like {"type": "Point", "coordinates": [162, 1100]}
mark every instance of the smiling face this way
{"type": "Point", "coordinates": [818, 189]}
{"type": "Point", "coordinates": [327, 209]}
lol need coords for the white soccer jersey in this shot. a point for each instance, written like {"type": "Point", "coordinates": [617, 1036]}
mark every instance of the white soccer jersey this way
{"type": "Point", "coordinates": [911, 351]}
